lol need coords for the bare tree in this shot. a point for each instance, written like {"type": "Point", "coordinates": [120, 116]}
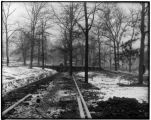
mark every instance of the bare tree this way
{"type": "Point", "coordinates": [148, 47]}
{"type": "Point", "coordinates": [39, 50]}
{"type": "Point", "coordinates": [80, 46]}
{"type": "Point", "coordinates": [67, 21]}
{"type": "Point", "coordinates": [86, 30]}
{"type": "Point", "coordinates": [105, 52]}
{"type": "Point", "coordinates": [22, 43]}
{"type": "Point", "coordinates": [63, 46]}
{"type": "Point", "coordinates": [97, 30]}
{"type": "Point", "coordinates": [141, 58]}
{"type": "Point", "coordinates": [34, 14]}
{"type": "Point", "coordinates": [8, 32]}
{"type": "Point", "coordinates": [44, 26]}
{"type": "Point", "coordinates": [114, 26]}
{"type": "Point", "coordinates": [134, 20]}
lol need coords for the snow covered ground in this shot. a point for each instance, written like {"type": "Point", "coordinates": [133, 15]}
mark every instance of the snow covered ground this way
{"type": "Point", "coordinates": [109, 87]}
{"type": "Point", "coordinates": [15, 77]}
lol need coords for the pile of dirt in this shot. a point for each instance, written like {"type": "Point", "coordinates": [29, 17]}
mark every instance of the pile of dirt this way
{"type": "Point", "coordinates": [120, 108]}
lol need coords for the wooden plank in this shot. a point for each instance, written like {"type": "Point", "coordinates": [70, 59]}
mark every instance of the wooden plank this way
{"type": "Point", "coordinates": [80, 108]}
{"type": "Point", "coordinates": [14, 105]}
{"type": "Point", "coordinates": [82, 99]}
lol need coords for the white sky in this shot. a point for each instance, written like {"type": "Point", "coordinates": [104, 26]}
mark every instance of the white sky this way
{"type": "Point", "coordinates": [20, 13]}
{"type": "Point", "coordinates": [20, 9]}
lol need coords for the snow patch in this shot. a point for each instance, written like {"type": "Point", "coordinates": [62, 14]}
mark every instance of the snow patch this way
{"type": "Point", "coordinates": [15, 77]}
{"type": "Point", "coordinates": [109, 88]}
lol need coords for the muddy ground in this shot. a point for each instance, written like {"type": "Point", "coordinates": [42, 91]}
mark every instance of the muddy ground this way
{"type": "Point", "coordinates": [54, 99]}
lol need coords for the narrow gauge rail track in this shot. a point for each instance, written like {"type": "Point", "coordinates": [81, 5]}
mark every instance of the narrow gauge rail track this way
{"type": "Point", "coordinates": [19, 95]}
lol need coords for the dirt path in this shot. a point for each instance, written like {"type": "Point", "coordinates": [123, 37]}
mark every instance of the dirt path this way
{"type": "Point", "coordinates": [57, 96]}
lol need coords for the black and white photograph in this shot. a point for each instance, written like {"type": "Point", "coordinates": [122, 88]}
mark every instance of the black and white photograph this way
{"type": "Point", "coordinates": [75, 59]}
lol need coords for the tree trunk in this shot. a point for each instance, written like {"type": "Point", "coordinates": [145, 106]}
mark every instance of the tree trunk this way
{"type": "Point", "coordinates": [130, 57]}
{"type": "Point", "coordinates": [39, 51]}
{"type": "Point", "coordinates": [110, 57]}
{"type": "Point", "coordinates": [76, 62]}
{"type": "Point", "coordinates": [130, 64]}
{"type": "Point", "coordinates": [148, 47]}
{"type": "Point", "coordinates": [24, 57]}
{"type": "Point", "coordinates": [110, 63]}
{"type": "Point", "coordinates": [45, 51]}
{"type": "Point", "coordinates": [71, 52]}
{"type": "Point", "coordinates": [130, 53]}
{"type": "Point", "coordinates": [118, 66]}
{"type": "Point", "coordinates": [81, 59]}
{"type": "Point", "coordinates": [65, 59]}
{"type": "Point", "coordinates": [70, 32]}
{"type": "Point", "coordinates": [82, 55]}
{"type": "Point", "coordinates": [31, 54]}
{"type": "Point", "coordinates": [86, 43]}
{"type": "Point", "coordinates": [89, 57]}
{"type": "Point", "coordinates": [32, 48]}
{"type": "Point", "coordinates": [41, 61]}
{"type": "Point", "coordinates": [99, 55]}
{"type": "Point", "coordinates": [43, 57]}
{"type": "Point", "coordinates": [122, 57]}
{"type": "Point", "coordinates": [104, 61]}
{"type": "Point", "coordinates": [115, 56]}
{"type": "Point", "coordinates": [93, 56]}
{"type": "Point", "coordinates": [24, 54]}
{"type": "Point", "coordinates": [141, 59]}
{"type": "Point", "coordinates": [7, 51]}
